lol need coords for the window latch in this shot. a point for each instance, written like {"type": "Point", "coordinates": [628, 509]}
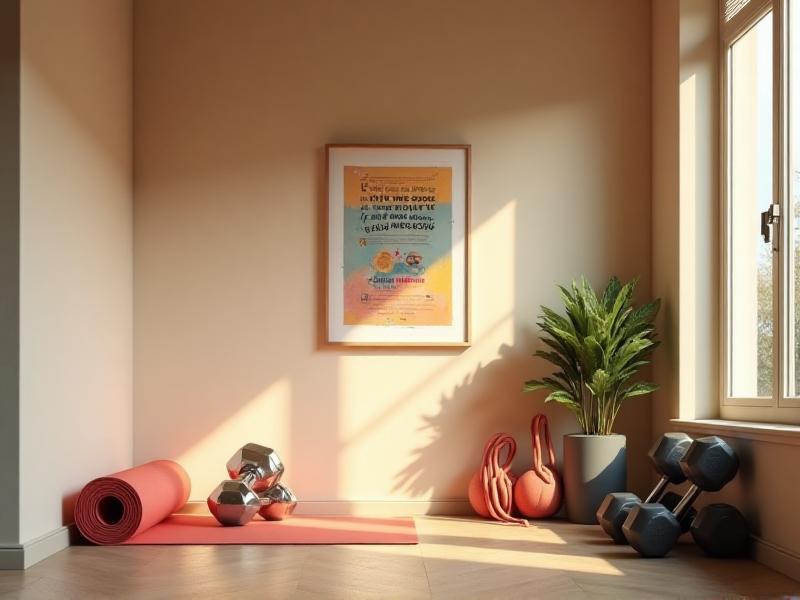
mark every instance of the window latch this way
{"type": "Point", "coordinates": [771, 216]}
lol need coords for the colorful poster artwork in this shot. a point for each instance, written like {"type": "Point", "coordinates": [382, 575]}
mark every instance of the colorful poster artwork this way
{"type": "Point", "coordinates": [398, 240]}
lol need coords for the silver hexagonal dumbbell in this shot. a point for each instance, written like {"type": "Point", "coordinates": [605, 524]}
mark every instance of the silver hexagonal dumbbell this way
{"type": "Point", "coordinates": [277, 503]}
{"type": "Point", "coordinates": [253, 469]}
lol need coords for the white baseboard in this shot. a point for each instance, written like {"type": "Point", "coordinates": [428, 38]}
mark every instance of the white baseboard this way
{"type": "Point", "coordinates": [22, 556]}
{"type": "Point", "coordinates": [776, 557]}
{"type": "Point", "coordinates": [366, 508]}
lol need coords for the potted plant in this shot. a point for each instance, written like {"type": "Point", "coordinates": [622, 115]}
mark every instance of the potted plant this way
{"type": "Point", "coordinates": [598, 348]}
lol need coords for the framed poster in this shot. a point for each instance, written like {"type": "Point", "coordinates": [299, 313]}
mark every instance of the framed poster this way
{"type": "Point", "coordinates": [398, 245]}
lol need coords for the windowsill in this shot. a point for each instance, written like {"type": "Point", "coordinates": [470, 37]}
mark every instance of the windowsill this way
{"type": "Point", "coordinates": [776, 433]}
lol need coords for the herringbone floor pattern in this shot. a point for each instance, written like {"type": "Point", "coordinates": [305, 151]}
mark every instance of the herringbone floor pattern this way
{"type": "Point", "coordinates": [456, 558]}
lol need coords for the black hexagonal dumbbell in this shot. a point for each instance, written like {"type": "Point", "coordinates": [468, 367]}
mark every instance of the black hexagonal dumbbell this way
{"type": "Point", "coordinates": [665, 456]}
{"type": "Point", "coordinates": [721, 531]}
{"type": "Point", "coordinates": [652, 529]}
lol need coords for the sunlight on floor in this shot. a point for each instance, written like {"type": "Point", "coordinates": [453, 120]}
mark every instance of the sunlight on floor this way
{"type": "Point", "coordinates": [477, 542]}
{"type": "Point", "coordinates": [488, 531]}
{"type": "Point", "coordinates": [521, 558]}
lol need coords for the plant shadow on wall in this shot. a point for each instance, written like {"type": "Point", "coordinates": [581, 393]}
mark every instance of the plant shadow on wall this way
{"type": "Point", "coordinates": [488, 400]}
{"type": "Point", "coordinates": [598, 348]}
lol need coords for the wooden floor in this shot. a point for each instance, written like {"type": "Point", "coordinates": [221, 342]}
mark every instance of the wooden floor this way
{"type": "Point", "coordinates": [456, 558]}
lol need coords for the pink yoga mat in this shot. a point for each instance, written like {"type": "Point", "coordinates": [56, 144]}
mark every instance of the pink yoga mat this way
{"type": "Point", "coordinates": [115, 508]}
{"type": "Point", "coordinates": [299, 529]}
{"type": "Point", "coordinates": [136, 506]}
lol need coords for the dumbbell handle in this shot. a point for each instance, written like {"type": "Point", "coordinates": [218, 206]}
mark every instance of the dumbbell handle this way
{"type": "Point", "coordinates": [658, 491]}
{"type": "Point", "coordinates": [686, 502]}
{"type": "Point", "coordinates": [248, 477]}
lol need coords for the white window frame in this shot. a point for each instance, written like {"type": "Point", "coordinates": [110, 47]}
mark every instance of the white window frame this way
{"type": "Point", "coordinates": [779, 408]}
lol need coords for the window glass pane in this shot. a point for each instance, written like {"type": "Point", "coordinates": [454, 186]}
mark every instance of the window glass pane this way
{"type": "Point", "coordinates": [793, 216]}
{"type": "Point", "coordinates": [750, 179]}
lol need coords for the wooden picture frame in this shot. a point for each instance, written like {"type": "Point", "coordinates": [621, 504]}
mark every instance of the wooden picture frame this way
{"type": "Point", "coordinates": [397, 245]}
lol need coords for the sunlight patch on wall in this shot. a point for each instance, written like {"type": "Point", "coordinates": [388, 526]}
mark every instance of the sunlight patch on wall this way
{"type": "Point", "coordinates": [382, 400]}
{"type": "Point", "coordinates": [264, 420]}
{"type": "Point", "coordinates": [687, 250]}
{"type": "Point", "coordinates": [494, 258]}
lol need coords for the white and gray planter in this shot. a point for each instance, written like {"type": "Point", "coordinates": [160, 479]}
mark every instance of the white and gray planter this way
{"type": "Point", "coordinates": [594, 465]}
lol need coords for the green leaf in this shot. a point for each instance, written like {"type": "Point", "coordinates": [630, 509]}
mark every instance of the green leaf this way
{"type": "Point", "coordinates": [611, 292]}
{"type": "Point", "coordinates": [644, 315]}
{"type": "Point", "coordinates": [564, 399]}
{"type": "Point", "coordinates": [553, 319]}
{"type": "Point", "coordinates": [566, 351]}
{"type": "Point", "coordinates": [600, 383]}
{"type": "Point", "coordinates": [639, 389]}
{"type": "Point", "coordinates": [533, 385]}
{"type": "Point", "coordinates": [558, 359]}
{"type": "Point", "coordinates": [622, 302]}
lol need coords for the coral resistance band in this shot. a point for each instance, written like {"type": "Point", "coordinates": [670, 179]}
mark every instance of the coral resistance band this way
{"type": "Point", "coordinates": [495, 480]}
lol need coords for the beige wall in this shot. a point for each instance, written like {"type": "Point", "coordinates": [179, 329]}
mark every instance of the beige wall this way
{"type": "Point", "coordinates": [685, 274]}
{"type": "Point", "coordinates": [232, 108]}
{"type": "Point", "coordinates": [698, 188]}
{"type": "Point", "coordinates": [685, 197]}
{"type": "Point", "coordinates": [665, 208]}
{"type": "Point", "coordinates": [76, 252]}
{"type": "Point", "coordinates": [9, 271]}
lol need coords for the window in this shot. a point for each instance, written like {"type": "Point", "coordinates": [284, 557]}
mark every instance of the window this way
{"type": "Point", "coordinates": [760, 68]}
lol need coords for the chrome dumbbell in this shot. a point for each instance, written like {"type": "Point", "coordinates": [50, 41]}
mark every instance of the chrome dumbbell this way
{"type": "Point", "coordinates": [277, 503]}
{"type": "Point", "coordinates": [253, 469]}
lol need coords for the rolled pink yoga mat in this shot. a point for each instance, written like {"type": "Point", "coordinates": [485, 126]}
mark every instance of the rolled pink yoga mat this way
{"type": "Point", "coordinates": [113, 509]}
{"type": "Point", "coordinates": [136, 506]}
